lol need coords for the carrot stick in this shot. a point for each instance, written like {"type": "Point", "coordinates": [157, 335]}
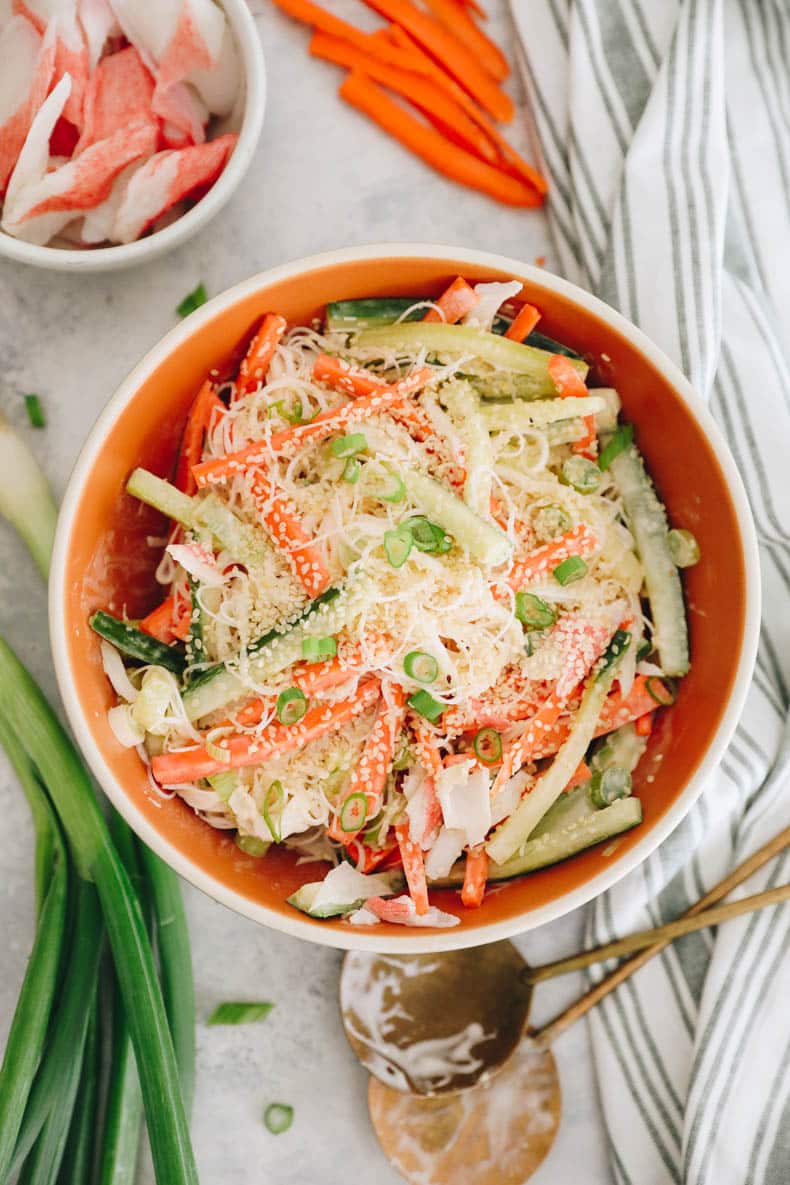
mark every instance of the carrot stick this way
{"type": "Point", "coordinates": [474, 7]}
{"type": "Point", "coordinates": [285, 527]}
{"type": "Point", "coordinates": [370, 774]}
{"type": "Point", "coordinates": [475, 876]}
{"type": "Point", "coordinates": [159, 621]}
{"type": "Point", "coordinates": [423, 93]}
{"type": "Point", "coordinates": [310, 678]}
{"type": "Point", "coordinates": [327, 423]}
{"type": "Point", "coordinates": [275, 739]}
{"type": "Point", "coordinates": [197, 424]}
{"type": "Point", "coordinates": [428, 144]}
{"type": "Point", "coordinates": [445, 48]}
{"type": "Point", "coordinates": [342, 376]}
{"type": "Point", "coordinates": [570, 385]}
{"type": "Point", "coordinates": [455, 302]}
{"type": "Point", "coordinates": [413, 867]}
{"type": "Point", "coordinates": [458, 22]}
{"type": "Point", "coordinates": [524, 322]}
{"type": "Point", "coordinates": [255, 365]}
{"type": "Point", "coordinates": [513, 161]}
{"type": "Point", "coordinates": [581, 540]}
{"type": "Point", "coordinates": [316, 16]}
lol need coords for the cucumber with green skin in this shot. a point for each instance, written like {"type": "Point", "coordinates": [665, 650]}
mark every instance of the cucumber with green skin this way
{"type": "Point", "coordinates": [352, 315]}
{"type": "Point", "coordinates": [549, 844]}
{"type": "Point", "coordinates": [138, 645]}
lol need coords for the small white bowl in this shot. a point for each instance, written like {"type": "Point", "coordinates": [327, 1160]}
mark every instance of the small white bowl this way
{"type": "Point", "coordinates": [102, 259]}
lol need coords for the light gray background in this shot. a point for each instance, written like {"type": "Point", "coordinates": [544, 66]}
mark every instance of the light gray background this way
{"type": "Point", "coordinates": [323, 178]}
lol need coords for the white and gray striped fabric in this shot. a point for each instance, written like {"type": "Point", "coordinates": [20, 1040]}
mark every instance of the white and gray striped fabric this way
{"type": "Point", "coordinates": [664, 126]}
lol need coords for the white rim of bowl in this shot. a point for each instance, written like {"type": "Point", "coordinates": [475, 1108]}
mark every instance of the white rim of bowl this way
{"type": "Point", "coordinates": [360, 939]}
{"type": "Point", "coordinates": [96, 259]}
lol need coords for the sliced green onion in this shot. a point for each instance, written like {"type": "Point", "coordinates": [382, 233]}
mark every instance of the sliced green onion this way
{"type": "Point", "coordinates": [291, 705]}
{"type": "Point", "coordinates": [193, 300]}
{"type": "Point", "coordinates": [662, 693]}
{"type": "Point", "coordinates": [421, 667]}
{"type": "Point", "coordinates": [234, 1013]}
{"type": "Point", "coordinates": [533, 612]}
{"type": "Point", "coordinates": [273, 801]}
{"type": "Point", "coordinates": [35, 412]}
{"type": "Point", "coordinates": [583, 475]}
{"type": "Point", "coordinates": [429, 537]}
{"type": "Point", "coordinates": [223, 784]}
{"type": "Point", "coordinates": [426, 705]}
{"type": "Point", "coordinates": [351, 471]}
{"type": "Point", "coordinates": [683, 548]}
{"type": "Point", "coordinates": [551, 521]}
{"type": "Point", "coordinates": [293, 417]}
{"type": "Point", "coordinates": [278, 1117]}
{"type": "Point", "coordinates": [403, 758]}
{"type": "Point", "coordinates": [397, 545]}
{"type": "Point", "coordinates": [574, 568]}
{"type": "Point", "coordinates": [218, 751]}
{"type": "Point", "coordinates": [617, 443]}
{"type": "Point", "coordinates": [251, 845]}
{"type": "Point", "coordinates": [387, 487]}
{"type": "Point", "coordinates": [488, 746]}
{"type": "Point", "coordinates": [318, 649]}
{"type": "Point", "coordinates": [533, 640]}
{"type": "Point", "coordinates": [608, 785]}
{"type": "Point", "coordinates": [354, 812]}
{"type": "Point", "coordinates": [644, 649]}
{"type": "Point", "coordinates": [348, 446]}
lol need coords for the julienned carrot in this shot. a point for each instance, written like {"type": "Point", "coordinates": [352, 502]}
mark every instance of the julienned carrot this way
{"type": "Point", "coordinates": [475, 876]}
{"type": "Point", "coordinates": [369, 776]}
{"type": "Point", "coordinates": [433, 148]}
{"type": "Point", "coordinates": [328, 423]}
{"type": "Point", "coordinates": [451, 53]}
{"type": "Point", "coordinates": [538, 566]}
{"type": "Point", "coordinates": [455, 302]}
{"type": "Point", "coordinates": [318, 17]}
{"type": "Point", "coordinates": [342, 376]}
{"type": "Point", "coordinates": [159, 621]}
{"type": "Point", "coordinates": [512, 161]}
{"type": "Point", "coordinates": [413, 867]}
{"type": "Point", "coordinates": [175, 768]}
{"type": "Point", "coordinates": [255, 365]}
{"type": "Point", "coordinates": [285, 527]}
{"type": "Point", "coordinates": [617, 710]}
{"type": "Point", "coordinates": [206, 402]}
{"type": "Point", "coordinates": [310, 678]}
{"type": "Point", "coordinates": [474, 7]}
{"type": "Point", "coordinates": [570, 385]}
{"type": "Point", "coordinates": [458, 22]}
{"type": "Point", "coordinates": [523, 323]}
{"type": "Point", "coordinates": [423, 93]}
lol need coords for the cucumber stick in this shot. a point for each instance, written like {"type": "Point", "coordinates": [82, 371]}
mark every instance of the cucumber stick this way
{"type": "Point", "coordinates": [484, 542]}
{"type": "Point", "coordinates": [583, 828]}
{"type": "Point", "coordinates": [523, 417]}
{"type": "Point", "coordinates": [464, 406]}
{"type": "Point", "coordinates": [453, 340]}
{"type": "Point", "coordinates": [133, 642]}
{"type": "Point", "coordinates": [647, 520]}
{"type": "Point", "coordinates": [353, 315]}
{"type": "Point", "coordinates": [163, 496]}
{"type": "Point", "coordinates": [516, 830]}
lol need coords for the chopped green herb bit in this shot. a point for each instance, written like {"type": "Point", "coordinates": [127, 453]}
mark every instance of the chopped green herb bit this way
{"type": "Point", "coordinates": [318, 649]}
{"type": "Point", "coordinates": [348, 446]}
{"type": "Point", "coordinates": [35, 412]}
{"type": "Point", "coordinates": [428, 536]}
{"type": "Point", "coordinates": [421, 667]}
{"type": "Point", "coordinates": [663, 693]}
{"type": "Point", "coordinates": [354, 812]}
{"type": "Point", "coordinates": [387, 487]}
{"type": "Point", "coordinates": [273, 802]}
{"type": "Point", "coordinates": [533, 612]}
{"type": "Point", "coordinates": [192, 301]}
{"type": "Point", "coordinates": [351, 471]}
{"type": "Point", "coordinates": [278, 1117]}
{"type": "Point", "coordinates": [574, 568]}
{"type": "Point", "coordinates": [291, 705]}
{"type": "Point", "coordinates": [488, 746]}
{"type": "Point", "coordinates": [294, 415]}
{"type": "Point", "coordinates": [234, 1013]}
{"type": "Point", "coordinates": [551, 521]}
{"type": "Point", "coordinates": [397, 545]}
{"type": "Point", "coordinates": [617, 443]}
{"type": "Point", "coordinates": [583, 475]}
{"type": "Point", "coordinates": [426, 705]}
{"type": "Point", "coordinates": [644, 649]}
{"type": "Point", "coordinates": [607, 785]}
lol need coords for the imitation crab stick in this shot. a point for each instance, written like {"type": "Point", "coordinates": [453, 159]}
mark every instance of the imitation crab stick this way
{"type": "Point", "coordinates": [285, 527]}
{"type": "Point", "coordinates": [538, 566]}
{"type": "Point", "coordinates": [310, 678]}
{"type": "Point", "coordinates": [423, 93]}
{"type": "Point", "coordinates": [523, 323]}
{"type": "Point", "coordinates": [206, 403]}
{"type": "Point", "coordinates": [571, 386]}
{"type": "Point", "coordinates": [327, 423]}
{"type": "Point", "coordinates": [475, 875]}
{"type": "Point", "coordinates": [23, 89]}
{"type": "Point", "coordinates": [370, 774]}
{"type": "Point", "coordinates": [413, 867]}
{"type": "Point", "coordinates": [455, 302]}
{"type": "Point", "coordinates": [426, 744]}
{"type": "Point", "coordinates": [453, 55]}
{"type": "Point", "coordinates": [433, 148]}
{"type": "Point", "coordinates": [190, 764]}
{"type": "Point", "coordinates": [458, 22]}
{"type": "Point", "coordinates": [256, 362]}
{"type": "Point", "coordinates": [617, 710]}
{"type": "Point", "coordinates": [120, 93]}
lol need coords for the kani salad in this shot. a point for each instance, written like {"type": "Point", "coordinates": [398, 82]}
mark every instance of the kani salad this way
{"type": "Point", "coordinates": [422, 603]}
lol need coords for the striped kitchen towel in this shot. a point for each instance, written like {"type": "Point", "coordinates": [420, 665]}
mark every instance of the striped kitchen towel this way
{"type": "Point", "coordinates": [665, 128]}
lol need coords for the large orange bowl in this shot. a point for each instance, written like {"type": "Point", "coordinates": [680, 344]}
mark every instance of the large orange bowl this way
{"type": "Point", "coordinates": [101, 561]}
